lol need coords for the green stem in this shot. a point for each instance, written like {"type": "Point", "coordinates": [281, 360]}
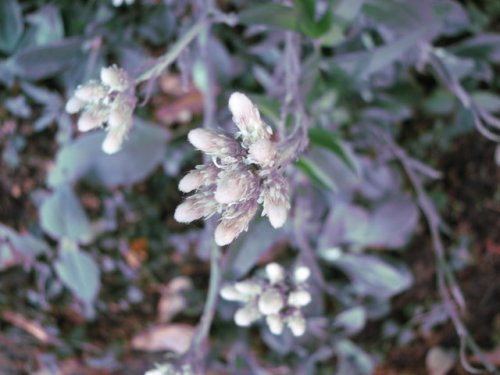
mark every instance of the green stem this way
{"type": "Point", "coordinates": [174, 52]}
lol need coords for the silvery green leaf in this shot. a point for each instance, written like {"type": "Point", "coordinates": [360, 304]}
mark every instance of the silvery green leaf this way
{"type": "Point", "coordinates": [62, 216]}
{"type": "Point", "coordinates": [78, 272]}
{"type": "Point", "coordinates": [18, 247]}
{"type": "Point", "coordinates": [373, 276]}
{"type": "Point", "coordinates": [351, 320]}
{"type": "Point", "coordinates": [352, 360]}
{"type": "Point", "coordinates": [47, 25]}
{"type": "Point", "coordinates": [11, 25]}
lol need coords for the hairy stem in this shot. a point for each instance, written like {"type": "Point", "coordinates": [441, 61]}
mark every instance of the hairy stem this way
{"type": "Point", "coordinates": [173, 53]}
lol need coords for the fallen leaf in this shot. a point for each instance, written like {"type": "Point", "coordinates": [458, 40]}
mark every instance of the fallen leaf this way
{"type": "Point", "coordinates": [162, 337]}
{"type": "Point", "coordinates": [439, 361]}
{"type": "Point", "coordinates": [172, 301]}
{"type": "Point", "coordinates": [33, 328]}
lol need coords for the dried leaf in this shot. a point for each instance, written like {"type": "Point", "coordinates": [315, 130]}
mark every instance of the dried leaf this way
{"type": "Point", "coordinates": [172, 301]}
{"type": "Point", "coordinates": [171, 337]}
{"type": "Point", "coordinates": [438, 361]}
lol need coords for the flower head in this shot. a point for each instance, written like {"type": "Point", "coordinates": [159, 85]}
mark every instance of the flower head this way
{"type": "Point", "coordinates": [109, 101]}
{"type": "Point", "coordinates": [241, 174]}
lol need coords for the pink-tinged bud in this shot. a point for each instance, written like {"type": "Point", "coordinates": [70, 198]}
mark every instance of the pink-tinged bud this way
{"type": "Point", "coordinates": [297, 324]}
{"type": "Point", "coordinates": [234, 221]}
{"type": "Point", "coordinates": [275, 199]}
{"type": "Point", "coordinates": [242, 108]}
{"type": "Point", "coordinates": [263, 152]}
{"type": "Point", "coordinates": [203, 175]}
{"type": "Point", "coordinates": [204, 140]}
{"type": "Point", "coordinates": [74, 105]}
{"type": "Point", "coordinates": [91, 119]}
{"type": "Point", "coordinates": [116, 78]}
{"type": "Point", "coordinates": [195, 207]}
{"type": "Point", "coordinates": [235, 185]}
{"type": "Point", "coordinates": [114, 140]}
{"type": "Point", "coordinates": [91, 92]}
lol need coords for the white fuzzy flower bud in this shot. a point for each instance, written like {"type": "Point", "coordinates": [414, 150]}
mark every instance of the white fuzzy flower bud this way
{"type": "Point", "coordinates": [234, 221]}
{"type": "Point", "coordinates": [91, 92]}
{"type": "Point", "coordinates": [92, 118]}
{"type": "Point", "coordinates": [297, 324]}
{"type": "Point", "coordinates": [120, 116]}
{"type": "Point", "coordinates": [195, 207]}
{"type": "Point", "coordinates": [301, 274]}
{"type": "Point", "coordinates": [299, 298]}
{"type": "Point", "coordinates": [203, 175]}
{"type": "Point", "coordinates": [274, 197]}
{"type": "Point", "coordinates": [74, 105]}
{"type": "Point", "coordinates": [275, 324]}
{"type": "Point", "coordinates": [230, 293]}
{"type": "Point", "coordinates": [248, 288]}
{"type": "Point", "coordinates": [275, 273]}
{"type": "Point", "coordinates": [204, 140]}
{"type": "Point", "coordinates": [246, 116]}
{"type": "Point", "coordinates": [263, 152]}
{"type": "Point", "coordinates": [113, 141]}
{"type": "Point", "coordinates": [116, 78]}
{"type": "Point", "coordinates": [246, 315]}
{"type": "Point", "coordinates": [233, 185]}
{"type": "Point", "coordinates": [270, 302]}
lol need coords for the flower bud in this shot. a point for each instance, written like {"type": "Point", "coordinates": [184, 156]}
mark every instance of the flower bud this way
{"type": "Point", "coordinates": [230, 293]}
{"type": "Point", "coordinates": [246, 315]}
{"type": "Point", "coordinates": [297, 324]}
{"type": "Point", "coordinates": [275, 324]}
{"type": "Point", "coordinates": [119, 117]}
{"type": "Point", "coordinates": [301, 274]}
{"type": "Point", "coordinates": [234, 221]}
{"type": "Point", "coordinates": [270, 302]}
{"type": "Point", "coordinates": [74, 105]}
{"type": "Point", "coordinates": [242, 108]}
{"type": "Point", "coordinates": [116, 78]}
{"type": "Point", "coordinates": [195, 207]}
{"type": "Point", "coordinates": [113, 141]}
{"type": "Point", "coordinates": [203, 175]}
{"type": "Point", "coordinates": [233, 185]}
{"type": "Point", "coordinates": [92, 118]}
{"type": "Point", "coordinates": [275, 199]}
{"type": "Point", "coordinates": [275, 273]}
{"type": "Point", "coordinates": [248, 287]}
{"type": "Point", "coordinates": [299, 298]}
{"type": "Point", "coordinates": [263, 152]}
{"type": "Point", "coordinates": [91, 92]}
{"type": "Point", "coordinates": [204, 140]}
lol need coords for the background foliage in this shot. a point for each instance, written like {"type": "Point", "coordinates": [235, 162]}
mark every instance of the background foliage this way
{"type": "Point", "coordinates": [96, 277]}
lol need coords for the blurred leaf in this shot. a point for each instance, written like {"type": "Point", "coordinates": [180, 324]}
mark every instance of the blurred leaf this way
{"type": "Point", "coordinates": [11, 25]}
{"type": "Point", "coordinates": [78, 272]}
{"type": "Point", "coordinates": [271, 14]}
{"type": "Point", "coordinates": [373, 276]}
{"type": "Point", "coordinates": [351, 320]}
{"type": "Point", "coordinates": [17, 248]}
{"type": "Point", "coordinates": [308, 23]}
{"type": "Point", "coordinates": [352, 360]}
{"type": "Point", "coordinates": [487, 100]}
{"type": "Point", "coordinates": [483, 46]}
{"type": "Point", "coordinates": [440, 102]}
{"type": "Point", "coordinates": [142, 152]}
{"type": "Point", "coordinates": [48, 25]}
{"type": "Point", "coordinates": [172, 337]}
{"type": "Point", "coordinates": [329, 140]}
{"type": "Point", "coordinates": [316, 173]}
{"type": "Point", "coordinates": [39, 62]}
{"type": "Point", "coordinates": [61, 215]}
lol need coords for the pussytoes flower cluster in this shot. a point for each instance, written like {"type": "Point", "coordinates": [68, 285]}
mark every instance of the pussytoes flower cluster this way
{"type": "Point", "coordinates": [278, 298]}
{"type": "Point", "coordinates": [241, 175]}
{"type": "Point", "coordinates": [169, 369]}
{"type": "Point", "coordinates": [109, 101]}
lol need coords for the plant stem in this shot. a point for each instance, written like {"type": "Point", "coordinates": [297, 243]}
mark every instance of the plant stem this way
{"type": "Point", "coordinates": [169, 57]}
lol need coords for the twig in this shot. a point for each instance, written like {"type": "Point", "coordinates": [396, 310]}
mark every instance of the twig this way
{"type": "Point", "coordinates": [443, 273]}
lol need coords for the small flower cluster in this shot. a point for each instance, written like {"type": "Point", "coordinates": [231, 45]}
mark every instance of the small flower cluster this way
{"type": "Point", "coordinates": [169, 369]}
{"type": "Point", "coordinates": [111, 101]}
{"type": "Point", "coordinates": [278, 297]}
{"type": "Point", "coordinates": [241, 175]}
{"type": "Point", "coordinates": [119, 3]}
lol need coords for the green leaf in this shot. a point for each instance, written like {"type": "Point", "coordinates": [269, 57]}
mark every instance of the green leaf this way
{"type": "Point", "coordinates": [352, 360]}
{"type": "Point", "coordinates": [45, 61]}
{"type": "Point", "coordinates": [78, 272]}
{"type": "Point", "coordinates": [316, 173]}
{"type": "Point", "coordinates": [271, 14]}
{"type": "Point", "coordinates": [48, 25]}
{"type": "Point", "coordinates": [18, 248]}
{"type": "Point", "coordinates": [329, 140]}
{"type": "Point", "coordinates": [372, 276]}
{"type": "Point", "coordinates": [62, 215]}
{"type": "Point", "coordinates": [308, 24]}
{"type": "Point", "coordinates": [11, 25]}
